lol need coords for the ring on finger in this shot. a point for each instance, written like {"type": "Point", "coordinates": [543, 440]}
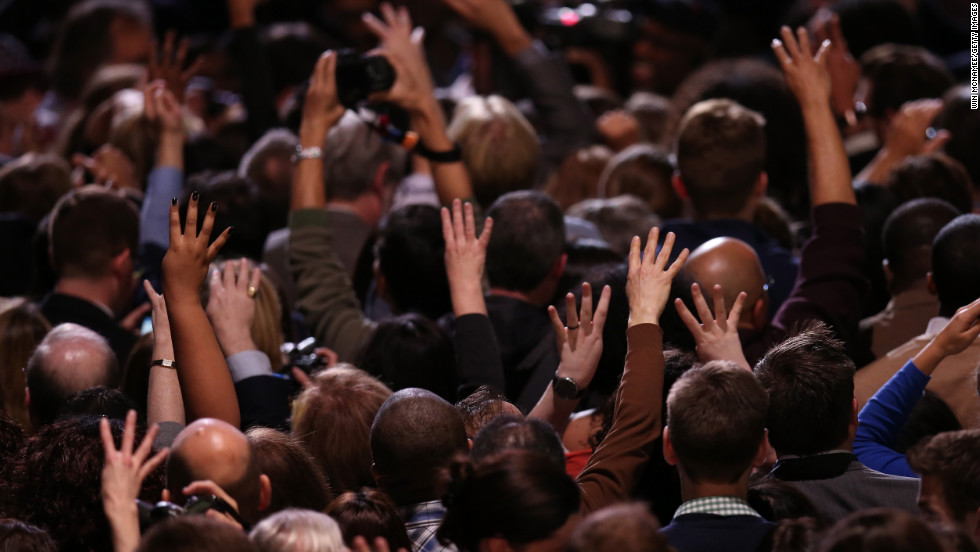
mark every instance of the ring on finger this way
{"type": "Point", "coordinates": [570, 328]}
{"type": "Point", "coordinates": [252, 292]}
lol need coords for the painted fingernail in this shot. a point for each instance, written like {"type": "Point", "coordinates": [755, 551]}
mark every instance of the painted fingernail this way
{"type": "Point", "coordinates": [231, 230]}
{"type": "Point", "coordinates": [214, 206]}
{"type": "Point", "coordinates": [195, 196]}
{"type": "Point", "coordinates": [173, 202]}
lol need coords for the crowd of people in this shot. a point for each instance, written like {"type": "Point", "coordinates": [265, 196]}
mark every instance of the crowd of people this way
{"type": "Point", "coordinates": [477, 276]}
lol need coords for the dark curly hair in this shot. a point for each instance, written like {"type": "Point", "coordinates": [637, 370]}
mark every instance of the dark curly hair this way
{"type": "Point", "coordinates": [55, 483]}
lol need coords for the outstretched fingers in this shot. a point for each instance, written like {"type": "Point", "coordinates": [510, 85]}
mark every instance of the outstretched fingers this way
{"type": "Point", "coordinates": [701, 305]}
{"type": "Point", "coordinates": [736, 313]}
{"type": "Point", "coordinates": [585, 314]}
{"type": "Point", "coordinates": [602, 310]}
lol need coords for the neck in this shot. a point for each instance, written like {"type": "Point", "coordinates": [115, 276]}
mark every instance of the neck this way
{"type": "Point", "coordinates": [367, 207]}
{"type": "Point", "coordinates": [538, 297]}
{"type": "Point", "coordinates": [691, 490]}
{"type": "Point", "coordinates": [94, 290]}
{"type": "Point", "coordinates": [745, 214]}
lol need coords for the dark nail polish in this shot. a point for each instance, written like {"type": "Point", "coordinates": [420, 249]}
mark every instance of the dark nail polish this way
{"type": "Point", "coordinates": [195, 196]}
{"type": "Point", "coordinates": [231, 230]}
{"type": "Point", "coordinates": [173, 202]}
{"type": "Point", "coordinates": [214, 206]}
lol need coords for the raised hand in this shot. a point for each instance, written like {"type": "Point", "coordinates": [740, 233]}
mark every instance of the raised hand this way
{"type": "Point", "coordinates": [122, 478]}
{"type": "Point", "coordinates": [208, 487]}
{"type": "Point", "coordinates": [649, 278]}
{"type": "Point", "coordinates": [962, 330]}
{"type": "Point", "coordinates": [716, 337]}
{"type": "Point", "coordinates": [496, 18]}
{"type": "Point", "coordinates": [907, 133]}
{"type": "Point", "coordinates": [322, 109]}
{"type": "Point", "coordinates": [169, 65]}
{"type": "Point", "coordinates": [231, 306]}
{"type": "Point", "coordinates": [163, 347]}
{"type": "Point", "coordinates": [185, 266]}
{"type": "Point", "coordinates": [580, 341]}
{"type": "Point", "coordinates": [845, 72]}
{"type": "Point", "coordinates": [806, 74]}
{"type": "Point", "coordinates": [402, 46]}
{"type": "Point", "coordinates": [110, 167]}
{"type": "Point", "coordinates": [466, 255]}
{"type": "Point", "coordinates": [160, 106]}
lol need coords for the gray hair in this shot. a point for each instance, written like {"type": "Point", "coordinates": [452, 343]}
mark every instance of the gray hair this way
{"type": "Point", "coordinates": [296, 530]}
{"type": "Point", "coordinates": [352, 154]}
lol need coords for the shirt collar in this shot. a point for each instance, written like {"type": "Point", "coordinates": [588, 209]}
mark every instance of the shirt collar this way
{"type": "Point", "coordinates": [424, 512]}
{"type": "Point", "coordinates": [718, 506]}
{"type": "Point", "coordinates": [936, 325]}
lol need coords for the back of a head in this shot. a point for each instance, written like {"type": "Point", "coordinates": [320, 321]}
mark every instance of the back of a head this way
{"type": "Point", "coordinates": [240, 207]}
{"type": "Point", "coordinates": [908, 235]}
{"type": "Point", "coordinates": [369, 513]}
{"type": "Point", "coordinates": [963, 123]}
{"type": "Point", "coordinates": [352, 155]}
{"type": "Point", "coordinates": [333, 419]}
{"type": "Point", "coordinates": [412, 351]}
{"type": "Point", "coordinates": [619, 528]}
{"type": "Point", "coordinates": [880, 530]}
{"type": "Point", "coordinates": [810, 382]}
{"type": "Point", "coordinates": [716, 417]}
{"type": "Point", "coordinates": [516, 432]}
{"type": "Point", "coordinates": [410, 254]}
{"type": "Point", "coordinates": [721, 152]}
{"type": "Point", "coordinates": [89, 227]}
{"type": "Point", "coordinates": [618, 219]}
{"type": "Point", "coordinates": [500, 148]}
{"type": "Point", "coordinates": [951, 459]}
{"type": "Point", "coordinates": [414, 438]}
{"type": "Point", "coordinates": [869, 23]}
{"type": "Point", "coordinates": [69, 359]}
{"type": "Point", "coordinates": [956, 263]}
{"type": "Point", "coordinates": [195, 534]}
{"type": "Point", "coordinates": [528, 239]}
{"type": "Point", "coordinates": [899, 73]}
{"type": "Point", "coordinates": [643, 170]}
{"type": "Point", "coordinates": [98, 401]}
{"type": "Point", "coordinates": [32, 183]}
{"type": "Point", "coordinates": [932, 175]}
{"type": "Point", "coordinates": [22, 327]}
{"type": "Point", "coordinates": [296, 479]}
{"type": "Point", "coordinates": [296, 530]}
{"type": "Point", "coordinates": [481, 407]}
{"type": "Point", "coordinates": [518, 495]}
{"type": "Point", "coordinates": [24, 537]}
{"type": "Point", "coordinates": [210, 449]}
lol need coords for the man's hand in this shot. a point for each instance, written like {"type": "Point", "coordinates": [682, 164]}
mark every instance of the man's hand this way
{"type": "Point", "coordinates": [465, 257]}
{"type": "Point", "coordinates": [907, 133]}
{"type": "Point", "coordinates": [844, 71]}
{"type": "Point", "coordinates": [185, 266]}
{"type": "Point", "coordinates": [231, 306]}
{"type": "Point", "coordinates": [208, 487]}
{"type": "Point", "coordinates": [648, 282]}
{"type": "Point", "coordinates": [496, 18]}
{"type": "Point", "coordinates": [125, 470]}
{"type": "Point", "coordinates": [169, 66]}
{"type": "Point", "coordinates": [955, 338]}
{"type": "Point", "coordinates": [716, 338]}
{"type": "Point", "coordinates": [321, 109]}
{"type": "Point", "coordinates": [241, 13]}
{"type": "Point", "coordinates": [806, 76]}
{"type": "Point", "coordinates": [402, 46]}
{"type": "Point", "coordinates": [580, 342]}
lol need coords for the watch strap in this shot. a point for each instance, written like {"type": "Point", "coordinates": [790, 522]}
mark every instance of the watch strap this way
{"type": "Point", "coordinates": [166, 363]}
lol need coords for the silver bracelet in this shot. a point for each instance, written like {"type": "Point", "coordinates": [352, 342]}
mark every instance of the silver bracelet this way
{"type": "Point", "coordinates": [302, 153]}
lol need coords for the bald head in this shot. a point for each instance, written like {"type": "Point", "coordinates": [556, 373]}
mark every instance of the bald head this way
{"type": "Point", "coordinates": [732, 264]}
{"type": "Point", "coordinates": [415, 436]}
{"type": "Point", "coordinates": [210, 449]}
{"type": "Point", "coordinates": [71, 358]}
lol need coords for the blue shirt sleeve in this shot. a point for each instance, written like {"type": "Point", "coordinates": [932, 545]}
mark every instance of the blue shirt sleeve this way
{"type": "Point", "coordinates": [881, 420]}
{"type": "Point", "coordinates": [163, 184]}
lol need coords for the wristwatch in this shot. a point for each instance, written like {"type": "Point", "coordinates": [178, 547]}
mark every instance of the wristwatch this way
{"type": "Point", "coordinates": [566, 388]}
{"type": "Point", "coordinates": [302, 153]}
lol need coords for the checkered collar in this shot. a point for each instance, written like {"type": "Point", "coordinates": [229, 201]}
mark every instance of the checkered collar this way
{"type": "Point", "coordinates": [718, 506]}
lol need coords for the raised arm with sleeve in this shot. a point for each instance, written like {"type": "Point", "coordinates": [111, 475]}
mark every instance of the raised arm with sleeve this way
{"type": "Point", "coordinates": [883, 417]}
{"type": "Point", "coordinates": [831, 283]}
{"type": "Point", "coordinates": [565, 121]}
{"type": "Point", "coordinates": [618, 462]}
{"type": "Point", "coordinates": [205, 383]}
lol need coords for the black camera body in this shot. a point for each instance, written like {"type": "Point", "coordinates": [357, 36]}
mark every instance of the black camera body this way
{"type": "Point", "coordinates": [302, 356]}
{"type": "Point", "coordinates": [358, 76]}
{"type": "Point", "coordinates": [151, 514]}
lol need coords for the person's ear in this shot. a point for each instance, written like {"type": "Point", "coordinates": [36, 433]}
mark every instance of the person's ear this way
{"type": "Point", "coordinates": [374, 473]}
{"type": "Point", "coordinates": [469, 443]}
{"type": "Point", "coordinates": [889, 275]}
{"type": "Point", "coordinates": [559, 267]}
{"type": "Point", "coordinates": [121, 265]}
{"type": "Point", "coordinates": [854, 412]}
{"type": "Point", "coordinates": [760, 313]}
{"type": "Point", "coordinates": [27, 398]}
{"type": "Point", "coordinates": [495, 544]}
{"type": "Point", "coordinates": [265, 492]}
{"type": "Point", "coordinates": [931, 283]}
{"type": "Point", "coordinates": [678, 183]}
{"type": "Point", "coordinates": [381, 283]}
{"type": "Point", "coordinates": [763, 454]}
{"type": "Point", "coordinates": [380, 178]}
{"type": "Point", "coordinates": [165, 495]}
{"type": "Point", "coordinates": [669, 454]}
{"type": "Point", "coordinates": [761, 185]}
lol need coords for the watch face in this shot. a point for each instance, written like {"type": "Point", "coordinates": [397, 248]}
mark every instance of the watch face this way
{"type": "Point", "coordinates": [566, 388]}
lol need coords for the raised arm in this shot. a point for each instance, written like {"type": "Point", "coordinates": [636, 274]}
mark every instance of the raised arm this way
{"type": "Point", "coordinates": [580, 345]}
{"type": "Point", "coordinates": [808, 78]}
{"type": "Point", "coordinates": [618, 462]}
{"type": "Point", "coordinates": [205, 383]}
{"type": "Point", "coordinates": [413, 91]}
{"type": "Point", "coordinates": [906, 136]}
{"type": "Point", "coordinates": [883, 417]}
{"type": "Point", "coordinates": [163, 400]}
{"type": "Point", "coordinates": [716, 337]}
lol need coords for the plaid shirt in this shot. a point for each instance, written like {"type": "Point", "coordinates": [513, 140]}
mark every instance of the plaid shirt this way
{"type": "Point", "coordinates": [421, 522]}
{"type": "Point", "coordinates": [717, 505]}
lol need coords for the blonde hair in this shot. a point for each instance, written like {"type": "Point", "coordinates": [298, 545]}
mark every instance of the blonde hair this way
{"type": "Point", "coordinates": [22, 327]}
{"type": "Point", "coordinates": [500, 148]}
{"type": "Point", "coordinates": [266, 327]}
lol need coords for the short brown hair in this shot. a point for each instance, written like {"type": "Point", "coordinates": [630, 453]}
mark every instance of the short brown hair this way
{"type": "Point", "coordinates": [952, 457]}
{"type": "Point", "coordinates": [643, 170]}
{"type": "Point", "coordinates": [369, 513]}
{"type": "Point", "coordinates": [89, 226]}
{"type": "Point", "coordinates": [198, 533]}
{"type": "Point", "coordinates": [32, 183]}
{"type": "Point", "coordinates": [619, 528]}
{"type": "Point", "coordinates": [810, 381]}
{"type": "Point", "coordinates": [296, 479]}
{"type": "Point", "coordinates": [333, 419]}
{"type": "Point", "coordinates": [717, 420]}
{"type": "Point", "coordinates": [721, 151]}
{"type": "Point", "coordinates": [899, 73]}
{"type": "Point", "coordinates": [933, 175]}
